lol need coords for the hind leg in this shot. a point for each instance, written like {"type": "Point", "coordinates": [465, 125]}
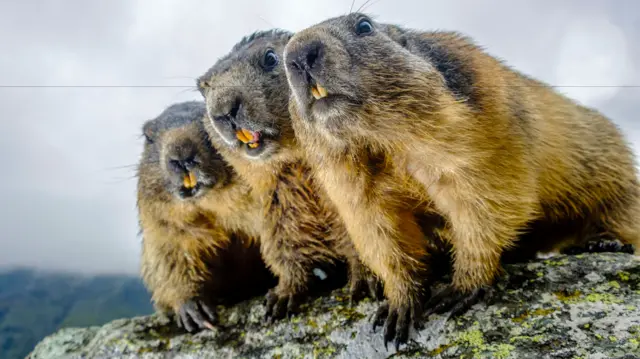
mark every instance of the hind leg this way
{"type": "Point", "coordinates": [629, 235]}
{"type": "Point", "coordinates": [623, 223]}
{"type": "Point", "coordinates": [600, 244]}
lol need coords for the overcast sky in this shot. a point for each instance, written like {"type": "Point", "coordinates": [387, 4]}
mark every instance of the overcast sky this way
{"type": "Point", "coordinates": [64, 205]}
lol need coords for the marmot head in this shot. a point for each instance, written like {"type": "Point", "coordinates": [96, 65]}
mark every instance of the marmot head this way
{"type": "Point", "coordinates": [178, 157]}
{"type": "Point", "coordinates": [347, 73]}
{"type": "Point", "coordinates": [247, 95]}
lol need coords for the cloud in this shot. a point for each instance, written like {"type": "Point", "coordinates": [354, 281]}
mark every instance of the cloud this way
{"type": "Point", "coordinates": [66, 206]}
{"type": "Point", "coordinates": [598, 48]}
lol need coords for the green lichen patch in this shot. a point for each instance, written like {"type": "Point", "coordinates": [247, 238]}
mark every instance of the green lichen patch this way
{"type": "Point", "coordinates": [534, 313]}
{"type": "Point", "coordinates": [606, 298]}
{"type": "Point", "coordinates": [474, 342]}
{"type": "Point", "coordinates": [568, 296]}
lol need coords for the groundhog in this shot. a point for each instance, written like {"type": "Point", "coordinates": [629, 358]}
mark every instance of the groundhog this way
{"type": "Point", "coordinates": [493, 150]}
{"type": "Point", "coordinates": [247, 95]}
{"type": "Point", "coordinates": [197, 222]}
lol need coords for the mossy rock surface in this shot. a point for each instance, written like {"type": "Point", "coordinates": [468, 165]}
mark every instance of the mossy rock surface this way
{"type": "Point", "coordinates": [585, 306]}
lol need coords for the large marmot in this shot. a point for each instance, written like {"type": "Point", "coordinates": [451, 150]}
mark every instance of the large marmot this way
{"type": "Point", "coordinates": [494, 150]}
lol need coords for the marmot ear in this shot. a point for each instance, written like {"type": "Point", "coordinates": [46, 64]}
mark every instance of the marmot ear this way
{"type": "Point", "coordinates": [148, 131]}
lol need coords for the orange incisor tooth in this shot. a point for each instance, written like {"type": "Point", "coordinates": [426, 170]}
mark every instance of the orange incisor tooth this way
{"type": "Point", "coordinates": [318, 92]}
{"type": "Point", "coordinates": [322, 91]}
{"type": "Point", "coordinates": [189, 181]}
{"type": "Point", "coordinates": [253, 144]}
{"type": "Point", "coordinates": [244, 135]}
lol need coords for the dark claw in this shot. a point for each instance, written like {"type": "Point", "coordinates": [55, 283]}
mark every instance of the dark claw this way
{"type": "Point", "coordinates": [270, 303]}
{"type": "Point", "coordinates": [211, 314]}
{"type": "Point", "coordinates": [187, 321]}
{"type": "Point", "coordinates": [292, 306]}
{"type": "Point", "coordinates": [196, 314]}
{"type": "Point", "coordinates": [375, 288]}
{"type": "Point", "coordinates": [396, 323]}
{"type": "Point", "coordinates": [390, 327]}
{"type": "Point", "coordinates": [380, 316]}
{"type": "Point", "coordinates": [362, 288]}
{"type": "Point", "coordinates": [402, 327]}
{"type": "Point", "coordinates": [357, 292]}
{"type": "Point", "coordinates": [279, 307]}
{"type": "Point", "coordinates": [451, 300]}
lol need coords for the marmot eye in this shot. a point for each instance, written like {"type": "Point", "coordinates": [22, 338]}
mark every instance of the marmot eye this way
{"type": "Point", "coordinates": [364, 27]}
{"type": "Point", "coordinates": [270, 60]}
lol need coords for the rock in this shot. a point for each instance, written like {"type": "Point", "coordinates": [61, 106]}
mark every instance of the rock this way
{"type": "Point", "coordinates": [584, 306]}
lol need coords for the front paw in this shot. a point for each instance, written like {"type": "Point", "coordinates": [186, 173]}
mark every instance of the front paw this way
{"type": "Point", "coordinates": [279, 306]}
{"type": "Point", "coordinates": [397, 322]}
{"type": "Point", "coordinates": [450, 299]}
{"type": "Point", "coordinates": [363, 287]}
{"type": "Point", "coordinates": [195, 314]}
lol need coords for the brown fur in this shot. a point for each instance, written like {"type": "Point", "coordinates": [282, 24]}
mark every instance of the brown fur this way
{"type": "Point", "coordinates": [493, 150]}
{"type": "Point", "coordinates": [302, 230]}
{"type": "Point", "coordinates": [202, 247]}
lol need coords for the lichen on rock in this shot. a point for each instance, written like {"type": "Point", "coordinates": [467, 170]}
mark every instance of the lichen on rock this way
{"type": "Point", "coordinates": [585, 306]}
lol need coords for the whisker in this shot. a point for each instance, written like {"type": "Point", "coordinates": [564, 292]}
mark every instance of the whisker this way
{"type": "Point", "coordinates": [363, 5]}
{"type": "Point", "coordinates": [265, 20]}
{"type": "Point", "coordinates": [370, 5]}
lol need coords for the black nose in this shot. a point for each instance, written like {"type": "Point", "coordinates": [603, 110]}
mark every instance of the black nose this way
{"type": "Point", "coordinates": [308, 58]}
{"type": "Point", "coordinates": [235, 108]}
{"type": "Point", "coordinates": [234, 111]}
{"type": "Point", "coordinates": [184, 164]}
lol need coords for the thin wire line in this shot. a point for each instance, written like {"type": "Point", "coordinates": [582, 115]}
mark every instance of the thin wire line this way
{"type": "Point", "coordinates": [193, 87]}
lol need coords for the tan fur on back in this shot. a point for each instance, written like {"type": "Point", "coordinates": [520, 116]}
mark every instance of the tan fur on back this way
{"type": "Point", "coordinates": [511, 154]}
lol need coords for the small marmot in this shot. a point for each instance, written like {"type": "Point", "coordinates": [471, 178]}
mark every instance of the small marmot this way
{"type": "Point", "coordinates": [247, 95]}
{"type": "Point", "coordinates": [494, 150]}
{"type": "Point", "coordinates": [197, 221]}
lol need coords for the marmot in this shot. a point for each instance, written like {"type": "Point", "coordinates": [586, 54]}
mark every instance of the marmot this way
{"type": "Point", "coordinates": [247, 95]}
{"type": "Point", "coordinates": [493, 150]}
{"type": "Point", "coordinates": [197, 221]}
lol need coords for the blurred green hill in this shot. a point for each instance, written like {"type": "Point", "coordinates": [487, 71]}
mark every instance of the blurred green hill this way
{"type": "Point", "coordinates": [34, 304]}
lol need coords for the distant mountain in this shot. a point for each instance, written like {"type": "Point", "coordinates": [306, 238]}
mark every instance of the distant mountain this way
{"type": "Point", "coordinates": [34, 304]}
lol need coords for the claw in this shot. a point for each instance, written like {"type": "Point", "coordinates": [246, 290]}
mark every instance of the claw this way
{"type": "Point", "coordinates": [292, 305]}
{"type": "Point", "coordinates": [196, 314]}
{"type": "Point", "coordinates": [375, 288]}
{"type": "Point", "coordinates": [396, 323]}
{"type": "Point", "coordinates": [279, 307]}
{"type": "Point", "coordinates": [390, 327]}
{"type": "Point", "coordinates": [379, 317]}
{"type": "Point", "coordinates": [402, 327]}
{"type": "Point", "coordinates": [187, 321]}
{"type": "Point", "coordinates": [362, 288]}
{"type": "Point", "coordinates": [454, 301]}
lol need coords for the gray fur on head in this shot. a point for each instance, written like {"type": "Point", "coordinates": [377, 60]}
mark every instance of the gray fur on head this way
{"type": "Point", "coordinates": [175, 145]}
{"type": "Point", "coordinates": [365, 71]}
{"type": "Point", "coordinates": [247, 88]}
